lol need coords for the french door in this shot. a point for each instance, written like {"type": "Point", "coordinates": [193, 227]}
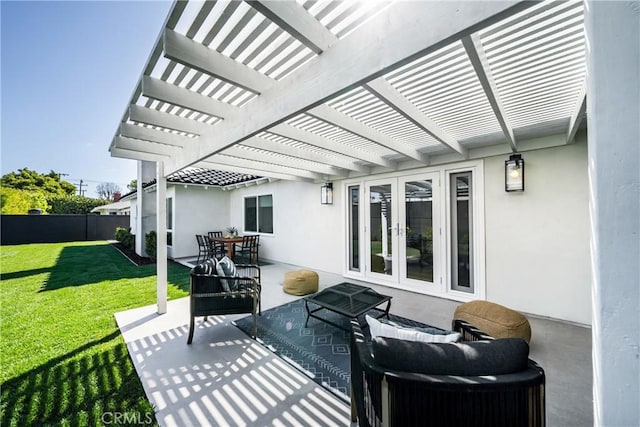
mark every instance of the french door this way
{"type": "Point", "coordinates": [401, 215]}
{"type": "Point", "coordinates": [420, 231]}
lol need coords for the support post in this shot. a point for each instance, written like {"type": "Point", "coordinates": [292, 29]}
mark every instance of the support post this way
{"type": "Point", "coordinates": [161, 230]}
{"type": "Point", "coordinates": [613, 91]}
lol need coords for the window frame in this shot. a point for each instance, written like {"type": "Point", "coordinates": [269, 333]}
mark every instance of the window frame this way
{"type": "Point", "coordinates": [257, 214]}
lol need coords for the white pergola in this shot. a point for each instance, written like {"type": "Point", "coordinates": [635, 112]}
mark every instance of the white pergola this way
{"type": "Point", "coordinates": [319, 90]}
{"type": "Point", "coordinates": [323, 90]}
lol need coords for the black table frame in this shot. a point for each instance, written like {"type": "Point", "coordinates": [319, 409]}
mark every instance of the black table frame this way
{"type": "Point", "coordinates": [346, 299]}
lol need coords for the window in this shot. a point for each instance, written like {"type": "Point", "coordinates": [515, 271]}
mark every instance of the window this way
{"type": "Point", "coordinates": [258, 214]}
{"type": "Point", "coordinates": [169, 221]}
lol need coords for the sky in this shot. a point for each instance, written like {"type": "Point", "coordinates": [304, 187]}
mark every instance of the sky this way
{"type": "Point", "coordinates": [68, 70]}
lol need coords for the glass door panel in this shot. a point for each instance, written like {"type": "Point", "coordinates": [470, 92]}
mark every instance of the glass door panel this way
{"type": "Point", "coordinates": [419, 219]}
{"type": "Point", "coordinates": [382, 229]}
{"type": "Point", "coordinates": [461, 232]}
{"type": "Point", "coordinates": [419, 230]}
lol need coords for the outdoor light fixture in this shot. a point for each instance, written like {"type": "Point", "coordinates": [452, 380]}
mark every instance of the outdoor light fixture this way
{"type": "Point", "coordinates": [326, 193]}
{"type": "Point", "coordinates": [514, 173]}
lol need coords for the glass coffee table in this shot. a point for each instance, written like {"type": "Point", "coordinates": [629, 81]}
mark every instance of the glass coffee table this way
{"type": "Point", "coordinates": [346, 299]}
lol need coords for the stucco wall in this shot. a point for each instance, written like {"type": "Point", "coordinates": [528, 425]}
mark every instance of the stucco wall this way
{"type": "Point", "coordinates": [305, 232]}
{"type": "Point", "coordinates": [196, 211]}
{"type": "Point", "coordinates": [537, 242]}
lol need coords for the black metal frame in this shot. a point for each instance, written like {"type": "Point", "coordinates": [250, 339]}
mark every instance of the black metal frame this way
{"type": "Point", "coordinates": [347, 296]}
{"type": "Point", "coordinates": [208, 297]}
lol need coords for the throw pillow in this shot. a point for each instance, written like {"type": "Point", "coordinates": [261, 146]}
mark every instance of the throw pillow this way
{"type": "Point", "coordinates": [227, 268]}
{"type": "Point", "coordinates": [400, 331]}
{"type": "Point", "coordinates": [495, 357]}
{"type": "Point", "coordinates": [209, 266]}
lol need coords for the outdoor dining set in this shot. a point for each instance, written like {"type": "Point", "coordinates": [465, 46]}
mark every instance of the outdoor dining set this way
{"type": "Point", "coordinates": [215, 244]}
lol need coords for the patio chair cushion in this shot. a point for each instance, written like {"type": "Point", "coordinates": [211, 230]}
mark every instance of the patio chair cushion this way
{"type": "Point", "coordinates": [227, 268]}
{"type": "Point", "coordinates": [494, 357]}
{"type": "Point", "coordinates": [206, 267]}
{"type": "Point", "coordinates": [300, 282]}
{"type": "Point", "coordinates": [494, 319]}
{"type": "Point", "coordinates": [391, 329]}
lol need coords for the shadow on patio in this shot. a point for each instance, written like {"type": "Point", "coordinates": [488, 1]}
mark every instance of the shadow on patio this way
{"type": "Point", "coordinates": [225, 378]}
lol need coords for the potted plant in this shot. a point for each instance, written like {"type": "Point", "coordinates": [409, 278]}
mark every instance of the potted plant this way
{"type": "Point", "coordinates": [232, 231]}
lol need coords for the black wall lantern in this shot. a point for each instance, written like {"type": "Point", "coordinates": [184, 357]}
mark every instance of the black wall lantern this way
{"type": "Point", "coordinates": [514, 173]}
{"type": "Point", "coordinates": [326, 193]}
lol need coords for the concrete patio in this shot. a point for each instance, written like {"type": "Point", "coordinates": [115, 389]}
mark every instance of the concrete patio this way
{"type": "Point", "coordinates": [225, 378]}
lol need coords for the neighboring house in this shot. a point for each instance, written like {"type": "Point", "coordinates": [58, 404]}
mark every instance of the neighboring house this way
{"type": "Point", "coordinates": [197, 202]}
{"type": "Point", "coordinates": [121, 207]}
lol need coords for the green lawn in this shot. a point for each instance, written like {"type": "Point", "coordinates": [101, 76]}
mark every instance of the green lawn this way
{"type": "Point", "coordinates": [63, 360]}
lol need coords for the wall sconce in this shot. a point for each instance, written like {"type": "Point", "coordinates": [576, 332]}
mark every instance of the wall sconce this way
{"type": "Point", "coordinates": [514, 173]}
{"type": "Point", "coordinates": [326, 193]}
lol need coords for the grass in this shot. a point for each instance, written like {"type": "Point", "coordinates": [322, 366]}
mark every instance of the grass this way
{"type": "Point", "coordinates": [63, 359]}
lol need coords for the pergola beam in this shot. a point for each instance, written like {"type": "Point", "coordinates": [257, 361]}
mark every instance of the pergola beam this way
{"type": "Point", "coordinates": [295, 20]}
{"type": "Point", "coordinates": [394, 99]}
{"type": "Point", "coordinates": [400, 35]}
{"type": "Point", "coordinates": [348, 123]}
{"type": "Point", "coordinates": [578, 115]}
{"type": "Point", "coordinates": [310, 138]}
{"type": "Point", "coordinates": [166, 92]}
{"type": "Point", "coordinates": [222, 166]}
{"type": "Point", "coordinates": [153, 117]}
{"type": "Point", "coordinates": [153, 135]}
{"type": "Point", "coordinates": [302, 153]}
{"type": "Point", "coordinates": [145, 146]}
{"type": "Point", "coordinates": [136, 155]}
{"type": "Point", "coordinates": [280, 160]}
{"type": "Point", "coordinates": [199, 57]}
{"type": "Point", "coordinates": [473, 45]}
{"type": "Point", "coordinates": [242, 163]}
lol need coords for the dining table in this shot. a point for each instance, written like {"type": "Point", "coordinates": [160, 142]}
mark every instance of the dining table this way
{"type": "Point", "coordinates": [229, 242]}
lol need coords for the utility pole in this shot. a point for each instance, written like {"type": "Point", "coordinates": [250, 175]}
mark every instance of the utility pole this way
{"type": "Point", "coordinates": [80, 190]}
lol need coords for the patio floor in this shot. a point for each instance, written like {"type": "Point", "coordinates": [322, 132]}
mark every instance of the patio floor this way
{"type": "Point", "coordinates": [225, 378]}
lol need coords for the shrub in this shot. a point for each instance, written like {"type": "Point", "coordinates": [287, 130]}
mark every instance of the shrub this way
{"type": "Point", "coordinates": [18, 202]}
{"type": "Point", "coordinates": [151, 243]}
{"type": "Point", "coordinates": [124, 236]}
{"type": "Point", "coordinates": [73, 204]}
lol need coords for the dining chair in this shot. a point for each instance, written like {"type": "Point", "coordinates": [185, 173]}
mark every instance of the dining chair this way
{"type": "Point", "coordinates": [248, 249]}
{"type": "Point", "coordinates": [217, 248]}
{"type": "Point", "coordinates": [204, 250]}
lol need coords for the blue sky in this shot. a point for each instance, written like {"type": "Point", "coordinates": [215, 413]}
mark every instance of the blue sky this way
{"type": "Point", "coordinates": [67, 73]}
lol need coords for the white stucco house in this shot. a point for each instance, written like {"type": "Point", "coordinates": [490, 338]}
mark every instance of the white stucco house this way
{"type": "Point", "coordinates": [121, 207]}
{"type": "Point", "coordinates": [415, 113]}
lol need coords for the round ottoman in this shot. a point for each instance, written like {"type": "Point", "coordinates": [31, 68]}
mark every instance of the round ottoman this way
{"type": "Point", "coordinates": [300, 282]}
{"type": "Point", "coordinates": [494, 319]}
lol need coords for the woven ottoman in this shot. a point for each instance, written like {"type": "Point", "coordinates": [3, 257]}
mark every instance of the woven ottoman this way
{"type": "Point", "coordinates": [300, 282]}
{"type": "Point", "coordinates": [494, 319]}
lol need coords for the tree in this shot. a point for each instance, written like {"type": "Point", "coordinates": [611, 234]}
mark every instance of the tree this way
{"type": "Point", "coordinates": [28, 180]}
{"type": "Point", "coordinates": [18, 202]}
{"type": "Point", "coordinates": [106, 190]}
{"type": "Point", "coordinates": [133, 185]}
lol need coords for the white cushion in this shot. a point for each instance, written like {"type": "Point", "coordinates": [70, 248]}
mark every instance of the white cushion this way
{"type": "Point", "coordinates": [408, 333]}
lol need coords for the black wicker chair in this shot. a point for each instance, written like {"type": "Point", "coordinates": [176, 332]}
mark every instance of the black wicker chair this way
{"type": "Point", "coordinates": [384, 397]}
{"type": "Point", "coordinates": [209, 297]}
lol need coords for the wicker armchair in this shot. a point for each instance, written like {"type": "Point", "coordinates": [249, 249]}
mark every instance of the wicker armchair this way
{"type": "Point", "coordinates": [208, 295]}
{"type": "Point", "coordinates": [384, 397]}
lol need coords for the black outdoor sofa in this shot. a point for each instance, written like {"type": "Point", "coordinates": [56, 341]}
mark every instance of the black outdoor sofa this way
{"type": "Point", "coordinates": [398, 396]}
